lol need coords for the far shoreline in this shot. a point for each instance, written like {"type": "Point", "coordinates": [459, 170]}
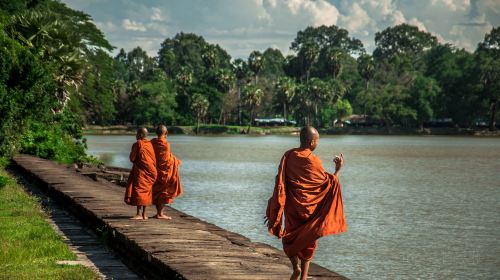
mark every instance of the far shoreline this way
{"type": "Point", "coordinates": [208, 130]}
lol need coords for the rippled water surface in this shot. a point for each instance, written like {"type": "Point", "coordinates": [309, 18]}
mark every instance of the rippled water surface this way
{"type": "Point", "coordinates": [416, 207]}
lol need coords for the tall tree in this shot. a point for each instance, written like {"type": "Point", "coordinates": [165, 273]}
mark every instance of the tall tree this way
{"type": "Point", "coordinates": [402, 39]}
{"type": "Point", "coordinates": [319, 92]}
{"type": "Point", "coordinates": [140, 66]}
{"type": "Point", "coordinates": [488, 61]}
{"type": "Point", "coordinates": [366, 69]}
{"type": "Point", "coordinates": [327, 37]}
{"type": "Point", "coordinates": [273, 63]}
{"type": "Point", "coordinates": [308, 54]}
{"type": "Point", "coordinates": [241, 73]}
{"type": "Point", "coordinates": [285, 88]}
{"type": "Point", "coordinates": [255, 63]}
{"type": "Point", "coordinates": [199, 106]}
{"type": "Point", "coordinates": [62, 37]}
{"type": "Point", "coordinates": [253, 98]}
{"type": "Point", "coordinates": [192, 51]}
{"type": "Point", "coordinates": [422, 93]}
{"type": "Point", "coordinates": [334, 61]}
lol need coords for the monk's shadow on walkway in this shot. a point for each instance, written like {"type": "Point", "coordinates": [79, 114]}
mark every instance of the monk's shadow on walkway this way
{"type": "Point", "coordinates": [89, 249]}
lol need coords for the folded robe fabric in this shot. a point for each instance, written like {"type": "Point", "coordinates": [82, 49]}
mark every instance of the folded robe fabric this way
{"type": "Point", "coordinates": [310, 200]}
{"type": "Point", "coordinates": [168, 185]}
{"type": "Point", "coordinates": [143, 174]}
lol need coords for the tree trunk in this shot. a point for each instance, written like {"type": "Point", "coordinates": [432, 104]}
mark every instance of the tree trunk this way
{"type": "Point", "coordinates": [197, 125]}
{"type": "Point", "coordinates": [239, 104]}
{"type": "Point", "coordinates": [284, 113]}
{"type": "Point", "coordinates": [316, 114]}
{"type": "Point", "coordinates": [251, 120]}
{"type": "Point", "coordinates": [493, 112]}
{"type": "Point", "coordinates": [220, 116]}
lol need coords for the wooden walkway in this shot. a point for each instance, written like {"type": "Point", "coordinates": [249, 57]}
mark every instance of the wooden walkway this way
{"type": "Point", "coordinates": [182, 248]}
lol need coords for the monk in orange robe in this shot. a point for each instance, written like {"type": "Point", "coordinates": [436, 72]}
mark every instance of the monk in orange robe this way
{"type": "Point", "coordinates": [310, 200]}
{"type": "Point", "coordinates": [168, 184]}
{"type": "Point", "coordinates": [142, 176]}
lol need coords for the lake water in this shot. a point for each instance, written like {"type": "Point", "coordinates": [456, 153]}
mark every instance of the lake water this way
{"type": "Point", "coordinates": [416, 207]}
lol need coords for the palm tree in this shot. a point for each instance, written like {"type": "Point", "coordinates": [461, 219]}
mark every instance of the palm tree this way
{"type": "Point", "coordinates": [225, 80]}
{"type": "Point", "coordinates": [286, 91]}
{"type": "Point", "coordinates": [199, 105]}
{"type": "Point", "coordinates": [319, 92]}
{"type": "Point", "coordinates": [333, 59]}
{"type": "Point", "coordinates": [184, 79]}
{"type": "Point", "coordinates": [253, 98]}
{"type": "Point", "coordinates": [366, 69]}
{"type": "Point", "coordinates": [241, 73]}
{"type": "Point", "coordinates": [309, 54]}
{"type": "Point", "coordinates": [61, 37]}
{"type": "Point", "coordinates": [255, 62]}
{"type": "Point", "coordinates": [209, 57]}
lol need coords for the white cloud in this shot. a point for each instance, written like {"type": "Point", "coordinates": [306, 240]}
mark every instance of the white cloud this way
{"type": "Point", "coordinates": [157, 15]}
{"type": "Point", "coordinates": [418, 24]}
{"type": "Point", "coordinates": [356, 20]}
{"type": "Point", "coordinates": [107, 26]}
{"type": "Point", "coordinates": [133, 25]}
{"type": "Point", "coordinates": [453, 5]}
{"type": "Point", "coordinates": [321, 11]}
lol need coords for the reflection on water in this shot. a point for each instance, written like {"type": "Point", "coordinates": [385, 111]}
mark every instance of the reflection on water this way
{"type": "Point", "coordinates": [416, 207]}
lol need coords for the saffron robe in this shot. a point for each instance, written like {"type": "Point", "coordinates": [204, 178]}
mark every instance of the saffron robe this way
{"type": "Point", "coordinates": [143, 174]}
{"type": "Point", "coordinates": [310, 200]}
{"type": "Point", "coordinates": [168, 184]}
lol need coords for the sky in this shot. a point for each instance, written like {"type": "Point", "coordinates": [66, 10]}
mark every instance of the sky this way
{"type": "Point", "coordinates": [242, 26]}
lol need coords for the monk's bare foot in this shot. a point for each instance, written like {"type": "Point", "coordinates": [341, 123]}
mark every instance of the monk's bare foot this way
{"type": "Point", "coordinates": [145, 217]}
{"type": "Point", "coordinates": [136, 217]}
{"type": "Point", "coordinates": [295, 274]}
{"type": "Point", "coordinates": [164, 217]}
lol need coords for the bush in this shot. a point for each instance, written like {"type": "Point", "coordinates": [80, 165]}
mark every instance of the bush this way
{"type": "Point", "coordinates": [52, 142]}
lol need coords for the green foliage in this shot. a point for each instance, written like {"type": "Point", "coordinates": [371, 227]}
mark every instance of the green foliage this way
{"type": "Point", "coordinates": [188, 50]}
{"type": "Point", "coordinates": [402, 39]}
{"type": "Point", "coordinates": [327, 37]}
{"type": "Point", "coordinates": [339, 111]}
{"type": "Point", "coordinates": [24, 86]}
{"type": "Point", "coordinates": [422, 93]}
{"type": "Point", "coordinates": [51, 142]}
{"type": "Point", "coordinates": [154, 103]}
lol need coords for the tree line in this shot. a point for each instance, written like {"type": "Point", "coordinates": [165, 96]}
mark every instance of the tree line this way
{"type": "Point", "coordinates": [58, 74]}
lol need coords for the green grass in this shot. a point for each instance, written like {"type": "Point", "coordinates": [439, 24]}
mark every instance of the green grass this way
{"type": "Point", "coordinates": [29, 247]}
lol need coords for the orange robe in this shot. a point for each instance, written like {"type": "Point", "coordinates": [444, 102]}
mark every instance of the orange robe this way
{"type": "Point", "coordinates": [309, 198]}
{"type": "Point", "coordinates": [168, 184]}
{"type": "Point", "coordinates": [143, 174]}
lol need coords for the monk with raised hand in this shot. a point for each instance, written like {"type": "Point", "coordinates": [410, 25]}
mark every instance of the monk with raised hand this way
{"type": "Point", "coordinates": [168, 184]}
{"type": "Point", "coordinates": [309, 199]}
{"type": "Point", "coordinates": [142, 176]}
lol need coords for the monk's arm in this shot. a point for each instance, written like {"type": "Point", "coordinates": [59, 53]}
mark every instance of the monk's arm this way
{"type": "Point", "coordinates": [133, 153]}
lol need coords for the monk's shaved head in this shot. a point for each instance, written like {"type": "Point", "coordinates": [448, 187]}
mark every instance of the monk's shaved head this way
{"type": "Point", "coordinates": [142, 133]}
{"type": "Point", "coordinates": [308, 135]}
{"type": "Point", "coordinates": [161, 130]}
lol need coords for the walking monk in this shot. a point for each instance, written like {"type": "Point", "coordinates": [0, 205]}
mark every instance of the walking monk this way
{"type": "Point", "coordinates": [142, 176]}
{"type": "Point", "coordinates": [168, 184]}
{"type": "Point", "coordinates": [310, 200]}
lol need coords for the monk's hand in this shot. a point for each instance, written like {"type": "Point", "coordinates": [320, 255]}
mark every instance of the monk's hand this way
{"type": "Point", "coordinates": [339, 162]}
